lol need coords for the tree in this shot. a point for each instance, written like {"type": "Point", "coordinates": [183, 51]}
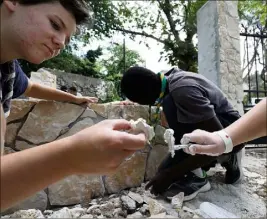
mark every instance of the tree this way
{"type": "Point", "coordinates": [117, 62]}
{"type": "Point", "coordinates": [166, 23]}
{"type": "Point", "coordinates": [171, 23]}
{"type": "Point", "coordinates": [69, 62]}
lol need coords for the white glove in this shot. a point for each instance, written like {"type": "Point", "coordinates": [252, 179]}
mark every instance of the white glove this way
{"type": "Point", "coordinates": [204, 143]}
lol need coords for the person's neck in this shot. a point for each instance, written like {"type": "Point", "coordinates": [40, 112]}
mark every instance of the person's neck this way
{"type": "Point", "coordinates": [8, 51]}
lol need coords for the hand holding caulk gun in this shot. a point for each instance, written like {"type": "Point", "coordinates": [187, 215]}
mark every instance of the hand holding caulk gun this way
{"type": "Point", "coordinates": [169, 139]}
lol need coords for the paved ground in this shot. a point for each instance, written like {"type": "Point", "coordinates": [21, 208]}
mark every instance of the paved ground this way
{"type": "Point", "coordinates": [247, 199]}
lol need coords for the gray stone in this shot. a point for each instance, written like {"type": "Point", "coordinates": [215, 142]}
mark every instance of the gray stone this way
{"type": "Point", "coordinates": [19, 109]}
{"type": "Point", "coordinates": [88, 113]}
{"type": "Point", "coordinates": [129, 174]}
{"type": "Point", "coordinates": [77, 212]}
{"type": "Point", "coordinates": [23, 145]}
{"type": "Point", "coordinates": [118, 212]}
{"type": "Point", "coordinates": [31, 213]}
{"type": "Point", "coordinates": [94, 210]}
{"type": "Point", "coordinates": [62, 213]}
{"type": "Point", "coordinates": [155, 157]}
{"type": "Point", "coordinates": [128, 203]}
{"type": "Point", "coordinates": [37, 201]}
{"type": "Point", "coordinates": [159, 135]}
{"type": "Point", "coordinates": [219, 48]}
{"type": "Point", "coordinates": [135, 215]}
{"type": "Point", "coordinates": [50, 118]}
{"type": "Point", "coordinates": [177, 200]}
{"type": "Point", "coordinates": [136, 197]}
{"type": "Point", "coordinates": [154, 206]}
{"type": "Point", "coordinates": [87, 216]}
{"type": "Point", "coordinates": [144, 209]}
{"type": "Point", "coordinates": [85, 123]}
{"type": "Point", "coordinates": [75, 189]}
{"type": "Point", "coordinates": [11, 133]}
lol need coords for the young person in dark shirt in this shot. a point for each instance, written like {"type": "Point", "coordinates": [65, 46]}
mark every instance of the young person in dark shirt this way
{"type": "Point", "coordinates": [36, 30]}
{"type": "Point", "coordinates": [189, 102]}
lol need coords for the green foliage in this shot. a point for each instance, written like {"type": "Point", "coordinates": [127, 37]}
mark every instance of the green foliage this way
{"type": "Point", "coordinates": [69, 63]}
{"type": "Point", "coordinates": [118, 62]}
{"type": "Point", "coordinates": [172, 23]}
{"type": "Point", "coordinates": [253, 11]}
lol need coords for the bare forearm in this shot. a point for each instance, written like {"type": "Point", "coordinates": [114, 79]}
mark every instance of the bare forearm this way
{"type": "Point", "coordinates": [27, 172]}
{"type": "Point", "coordinates": [252, 125]}
{"type": "Point", "coordinates": [47, 93]}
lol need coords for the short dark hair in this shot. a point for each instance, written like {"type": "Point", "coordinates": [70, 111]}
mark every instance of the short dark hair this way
{"type": "Point", "coordinates": [141, 85]}
{"type": "Point", "coordinates": [78, 8]}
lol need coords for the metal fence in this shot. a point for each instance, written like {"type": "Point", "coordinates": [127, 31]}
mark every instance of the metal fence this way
{"type": "Point", "coordinates": [254, 68]}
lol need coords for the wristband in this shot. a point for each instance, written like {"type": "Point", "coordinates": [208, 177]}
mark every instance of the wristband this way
{"type": "Point", "coordinates": [227, 141]}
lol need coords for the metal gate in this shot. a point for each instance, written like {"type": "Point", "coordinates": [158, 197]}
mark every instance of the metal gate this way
{"type": "Point", "coordinates": [254, 67]}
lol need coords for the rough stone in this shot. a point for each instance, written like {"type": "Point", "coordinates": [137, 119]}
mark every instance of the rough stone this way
{"type": "Point", "coordinates": [8, 150]}
{"type": "Point", "coordinates": [129, 174]}
{"type": "Point", "coordinates": [88, 113]}
{"type": "Point", "coordinates": [19, 109]}
{"type": "Point", "coordinates": [50, 118]}
{"type": "Point", "coordinates": [22, 145]}
{"type": "Point", "coordinates": [77, 212]}
{"type": "Point", "coordinates": [87, 216]}
{"type": "Point", "coordinates": [135, 215]}
{"type": "Point", "coordinates": [37, 201]}
{"type": "Point", "coordinates": [177, 200]}
{"type": "Point", "coordinates": [128, 203]}
{"type": "Point", "coordinates": [144, 209]}
{"type": "Point", "coordinates": [155, 157]}
{"type": "Point", "coordinates": [118, 212]}
{"type": "Point", "coordinates": [62, 213]}
{"type": "Point", "coordinates": [85, 123]}
{"type": "Point", "coordinates": [159, 137]}
{"type": "Point", "coordinates": [136, 197]}
{"type": "Point", "coordinates": [11, 134]}
{"type": "Point", "coordinates": [75, 189]}
{"type": "Point", "coordinates": [31, 213]}
{"type": "Point", "coordinates": [100, 109]}
{"type": "Point", "coordinates": [154, 206]}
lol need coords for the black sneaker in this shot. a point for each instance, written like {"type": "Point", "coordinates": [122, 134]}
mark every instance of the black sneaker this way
{"type": "Point", "coordinates": [233, 168]}
{"type": "Point", "coordinates": [191, 185]}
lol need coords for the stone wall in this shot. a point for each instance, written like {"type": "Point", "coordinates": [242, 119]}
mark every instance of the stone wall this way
{"type": "Point", "coordinates": [34, 122]}
{"type": "Point", "coordinates": [87, 86]}
{"type": "Point", "coordinates": [219, 48]}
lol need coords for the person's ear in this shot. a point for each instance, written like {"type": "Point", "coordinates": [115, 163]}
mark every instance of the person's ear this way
{"type": "Point", "coordinates": [10, 5]}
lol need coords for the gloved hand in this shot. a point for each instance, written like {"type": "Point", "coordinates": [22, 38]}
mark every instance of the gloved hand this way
{"type": "Point", "coordinates": [204, 143]}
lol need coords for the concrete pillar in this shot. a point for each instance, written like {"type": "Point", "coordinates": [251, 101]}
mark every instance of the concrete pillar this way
{"type": "Point", "coordinates": [219, 48]}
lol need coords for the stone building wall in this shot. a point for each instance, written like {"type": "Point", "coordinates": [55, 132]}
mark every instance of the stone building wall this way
{"type": "Point", "coordinates": [219, 48]}
{"type": "Point", "coordinates": [56, 120]}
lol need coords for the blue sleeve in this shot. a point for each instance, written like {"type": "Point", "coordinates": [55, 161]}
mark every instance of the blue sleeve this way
{"type": "Point", "coordinates": [21, 81]}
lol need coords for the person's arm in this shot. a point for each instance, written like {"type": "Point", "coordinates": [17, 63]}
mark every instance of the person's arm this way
{"type": "Point", "coordinates": [23, 85]}
{"type": "Point", "coordinates": [44, 92]}
{"type": "Point", "coordinates": [250, 126]}
{"type": "Point", "coordinates": [99, 149]}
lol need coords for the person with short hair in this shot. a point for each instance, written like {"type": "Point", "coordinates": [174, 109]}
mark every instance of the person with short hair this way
{"type": "Point", "coordinates": [189, 101]}
{"type": "Point", "coordinates": [37, 30]}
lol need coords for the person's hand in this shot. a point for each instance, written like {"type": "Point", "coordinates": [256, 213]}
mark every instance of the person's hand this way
{"type": "Point", "coordinates": [204, 143]}
{"type": "Point", "coordinates": [160, 182]}
{"type": "Point", "coordinates": [80, 100]}
{"type": "Point", "coordinates": [101, 148]}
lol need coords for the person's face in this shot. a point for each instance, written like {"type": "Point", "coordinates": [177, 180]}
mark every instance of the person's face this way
{"type": "Point", "coordinates": [40, 31]}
